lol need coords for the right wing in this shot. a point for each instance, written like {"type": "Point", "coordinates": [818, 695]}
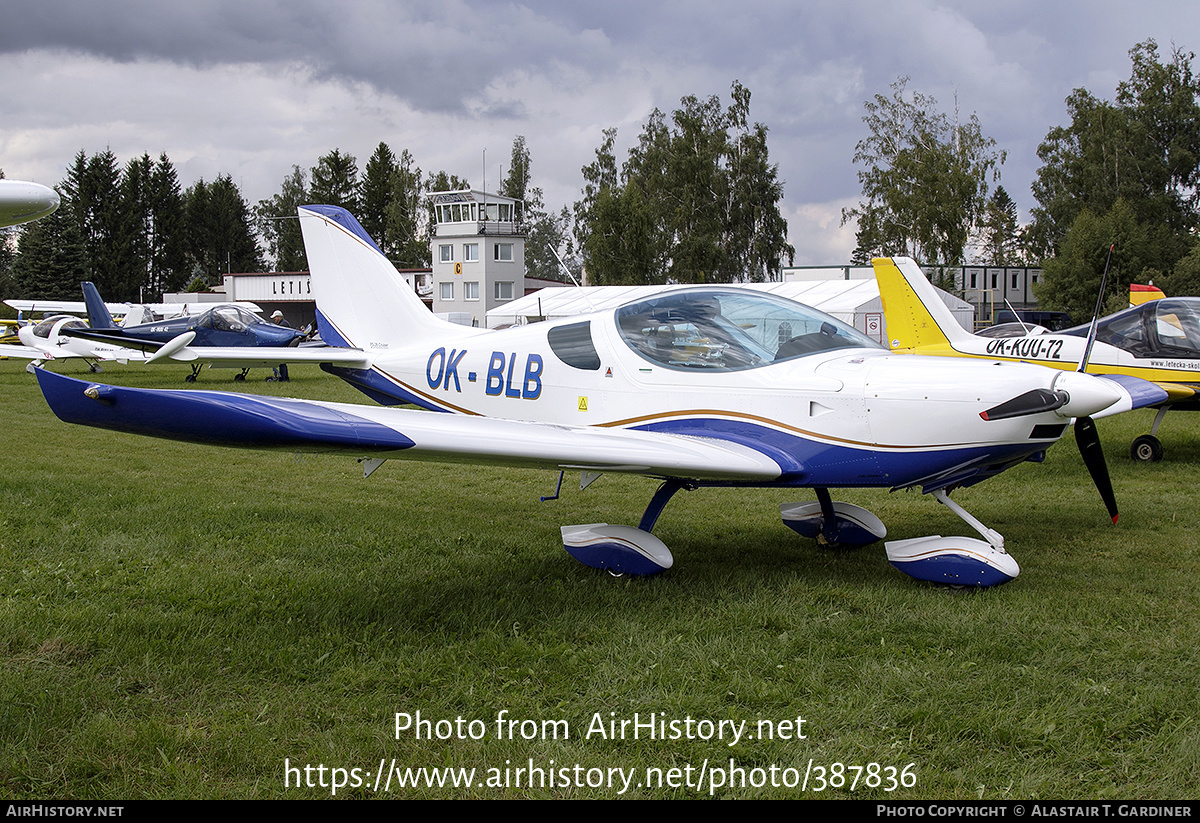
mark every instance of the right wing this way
{"type": "Point", "coordinates": [257, 422]}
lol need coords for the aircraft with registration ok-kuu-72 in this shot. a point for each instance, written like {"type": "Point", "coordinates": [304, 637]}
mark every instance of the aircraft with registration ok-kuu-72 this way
{"type": "Point", "coordinates": [696, 386]}
{"type": "Point", "coordinates": [1156, 340]}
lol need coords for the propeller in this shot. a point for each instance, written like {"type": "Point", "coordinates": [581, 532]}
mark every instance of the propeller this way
{"type": "Point", "coordinates": [1087, 436]}
{"type": "Point", "coordinates": [1088, 440]}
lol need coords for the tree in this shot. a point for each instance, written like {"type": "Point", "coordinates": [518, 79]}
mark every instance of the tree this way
{"type": "Point", "coordinates": [693, 203]}
{"type": "Point", "coordinates": [51, 262]}
{"type": "Point", "coordinates": [92, 202]}
{"type": "Point", "coordinates": [278, 222]}
{"type": "Point", "coordinates": [1144, 148]}
{"type": "Point", "coordinates": [516, 182]}
{"type": "Point", "coordinates": [151, 208]}
{"type": "Point", "coordinates": [409, 235]}
{"type": "Point", "coordinates": [1000, 230]}
{"type": "Point", "coordinates": [375, 196]}
{"type": "Point", "coordinates": [924, 181]}
{"type": "Point", "coordinates": [335, 181]}
{"type": "Point", "coordinates": [220, 239]}
{"type": "Point", "coordinates": [546, 232]}
{"type": "Point", "coordinates": [1141, 251]}
{"type": "Point", "coordinates": [1185, 279]}
{"type": "Point", "coordinates": [1130, 167]}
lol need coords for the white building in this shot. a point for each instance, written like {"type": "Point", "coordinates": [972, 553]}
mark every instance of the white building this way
{"type": "Point", "coordinates": [478, 253]}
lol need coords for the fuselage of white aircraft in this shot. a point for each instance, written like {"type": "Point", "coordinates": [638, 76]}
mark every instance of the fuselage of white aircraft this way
{"type": "Point", "coordinates": [48, 340]}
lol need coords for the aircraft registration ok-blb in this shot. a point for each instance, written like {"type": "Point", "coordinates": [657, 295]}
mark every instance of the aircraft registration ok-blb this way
{"type": "Point", "coordinates": [696, 386]}
{"type": "Point", "coordinates": [1157, 341]}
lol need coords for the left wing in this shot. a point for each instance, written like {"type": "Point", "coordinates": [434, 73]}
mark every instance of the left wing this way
{"type": "Point", "coordinates": [254, 421]}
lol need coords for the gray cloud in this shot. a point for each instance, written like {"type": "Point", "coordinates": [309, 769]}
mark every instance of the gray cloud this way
{"type": "Point", "coordinates": [252, 88]}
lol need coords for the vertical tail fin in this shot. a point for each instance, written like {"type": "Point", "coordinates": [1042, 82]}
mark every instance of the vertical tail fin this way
{"type": "Point", "coordinates": [98, 314]}
{"type": "Point", "coordinates": [1139, 294]}
{"type": "Point", "coordinates": [916, 318]}
{"type": "Point", "coordinates": [362, 301]}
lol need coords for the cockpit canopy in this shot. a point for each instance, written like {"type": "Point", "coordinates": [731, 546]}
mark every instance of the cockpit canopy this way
{"type": "Point", "coordinates": [228, 318]}
{"type": "Point", "coordinates": [44, 328]}
{"type": "Point", "coordinates": [1166, 327]}
{"type": "Point", "coordinates": [730, 330]}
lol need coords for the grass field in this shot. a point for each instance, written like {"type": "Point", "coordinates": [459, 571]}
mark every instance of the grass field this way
{"type": "Point", "coordinates": [179, 621]}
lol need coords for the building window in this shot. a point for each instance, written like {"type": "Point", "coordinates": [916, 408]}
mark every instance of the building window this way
{"type": "Point", "coordinates": [504, 253]}
{"type": "Point", "coordinates": [470, 291]}
{"type": "Point", "coordinates": [446, 253]}
{"type": "Point", "coordinates": [1014, 280]}
{"type": "Point", "coordinates": [447, 291]}
{"type": "Point", "coordinates": [470, 252]}
{"type": "Point", "coordinates": [504, 289]}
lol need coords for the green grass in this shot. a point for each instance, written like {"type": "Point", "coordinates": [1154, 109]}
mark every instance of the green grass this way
{"type": "Point", "coordinates": [176, 621]}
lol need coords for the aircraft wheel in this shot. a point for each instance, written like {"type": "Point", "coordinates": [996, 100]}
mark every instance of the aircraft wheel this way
{"type": "Point", "coordinates": [1146, 449]}
{"type": "Point", "coordinates": [191, 378]}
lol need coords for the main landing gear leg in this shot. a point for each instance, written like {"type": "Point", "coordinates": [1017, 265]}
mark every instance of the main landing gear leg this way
{"type": "Point", "coordinates": [956, 561]}
{"type": "Point", "coordinates": [622, 549]}
{"type": "Point", "coordinates": [1147, 448]}
{"type": "Point", "coordinates": [240, 376]}
{"type": "Point", "coordinates": [837, 525]}
{"type": "Point", "coordinates": [191, 378]}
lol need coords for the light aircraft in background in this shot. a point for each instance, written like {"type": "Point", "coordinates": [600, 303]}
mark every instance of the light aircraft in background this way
{"type": "Point", "coordinates": [130, 313]}
{"type": "Point", "coordinates": [1156, 341]}
{"type": "Point", "coordinates": [212, 330]}
{"type": "Point", "coordinates": [224, 335]}
{"type": "Point", "coordinates": [50, 340]}
{"type": "Point", "coordinates": [697, 387]}
{"type": "Point", "coordinates": [21, 202]}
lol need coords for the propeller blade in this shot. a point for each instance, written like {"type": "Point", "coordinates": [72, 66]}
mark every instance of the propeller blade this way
{"type": "Point", "coordinates": [1091, 337]}
{"type": "Point", "coordinates": [1031, 402]}
{"type": "Point", "coordinates": [1087, 437]}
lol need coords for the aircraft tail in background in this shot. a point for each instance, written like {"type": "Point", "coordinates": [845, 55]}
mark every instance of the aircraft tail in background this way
{"type": "Point", "coordinates": [99, 316]}
{"type": "Point", "coordinates": [915, 316]}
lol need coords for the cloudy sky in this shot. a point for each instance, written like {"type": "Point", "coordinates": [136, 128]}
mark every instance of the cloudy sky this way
{"type": "Point", "coordinates": [251, 88]}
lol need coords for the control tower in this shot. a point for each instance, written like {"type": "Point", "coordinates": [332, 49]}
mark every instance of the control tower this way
{"type": "Point", "coordinates": [478, 249]}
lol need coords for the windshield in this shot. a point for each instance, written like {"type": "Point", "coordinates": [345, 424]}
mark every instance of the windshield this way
{"type": "Point", "coordinates": [1170, 325]}
{"type": "Point", "coordinates": [44, 328]}
{"type": "Point", "coordinates": [1177, 324]}
{"type": "Point", "coordinates": [730, 330]}
{"type": "Point", "coordinates": [229, 318]}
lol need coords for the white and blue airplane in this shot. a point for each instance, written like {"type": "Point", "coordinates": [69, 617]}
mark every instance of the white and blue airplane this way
{"type": "Point", "coordinates": [697, 387]}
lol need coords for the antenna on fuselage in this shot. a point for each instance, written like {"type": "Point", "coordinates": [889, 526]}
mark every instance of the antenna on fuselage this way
{"type": "Point", "coordinates": [1091, 337]}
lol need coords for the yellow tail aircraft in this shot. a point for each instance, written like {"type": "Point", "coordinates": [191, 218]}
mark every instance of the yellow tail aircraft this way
{"type": "Point", "coordinates": [1157, 340]}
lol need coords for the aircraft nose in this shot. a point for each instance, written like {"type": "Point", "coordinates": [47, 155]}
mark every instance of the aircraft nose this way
{"type": "Point", "coordinates": [1088, 394]}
